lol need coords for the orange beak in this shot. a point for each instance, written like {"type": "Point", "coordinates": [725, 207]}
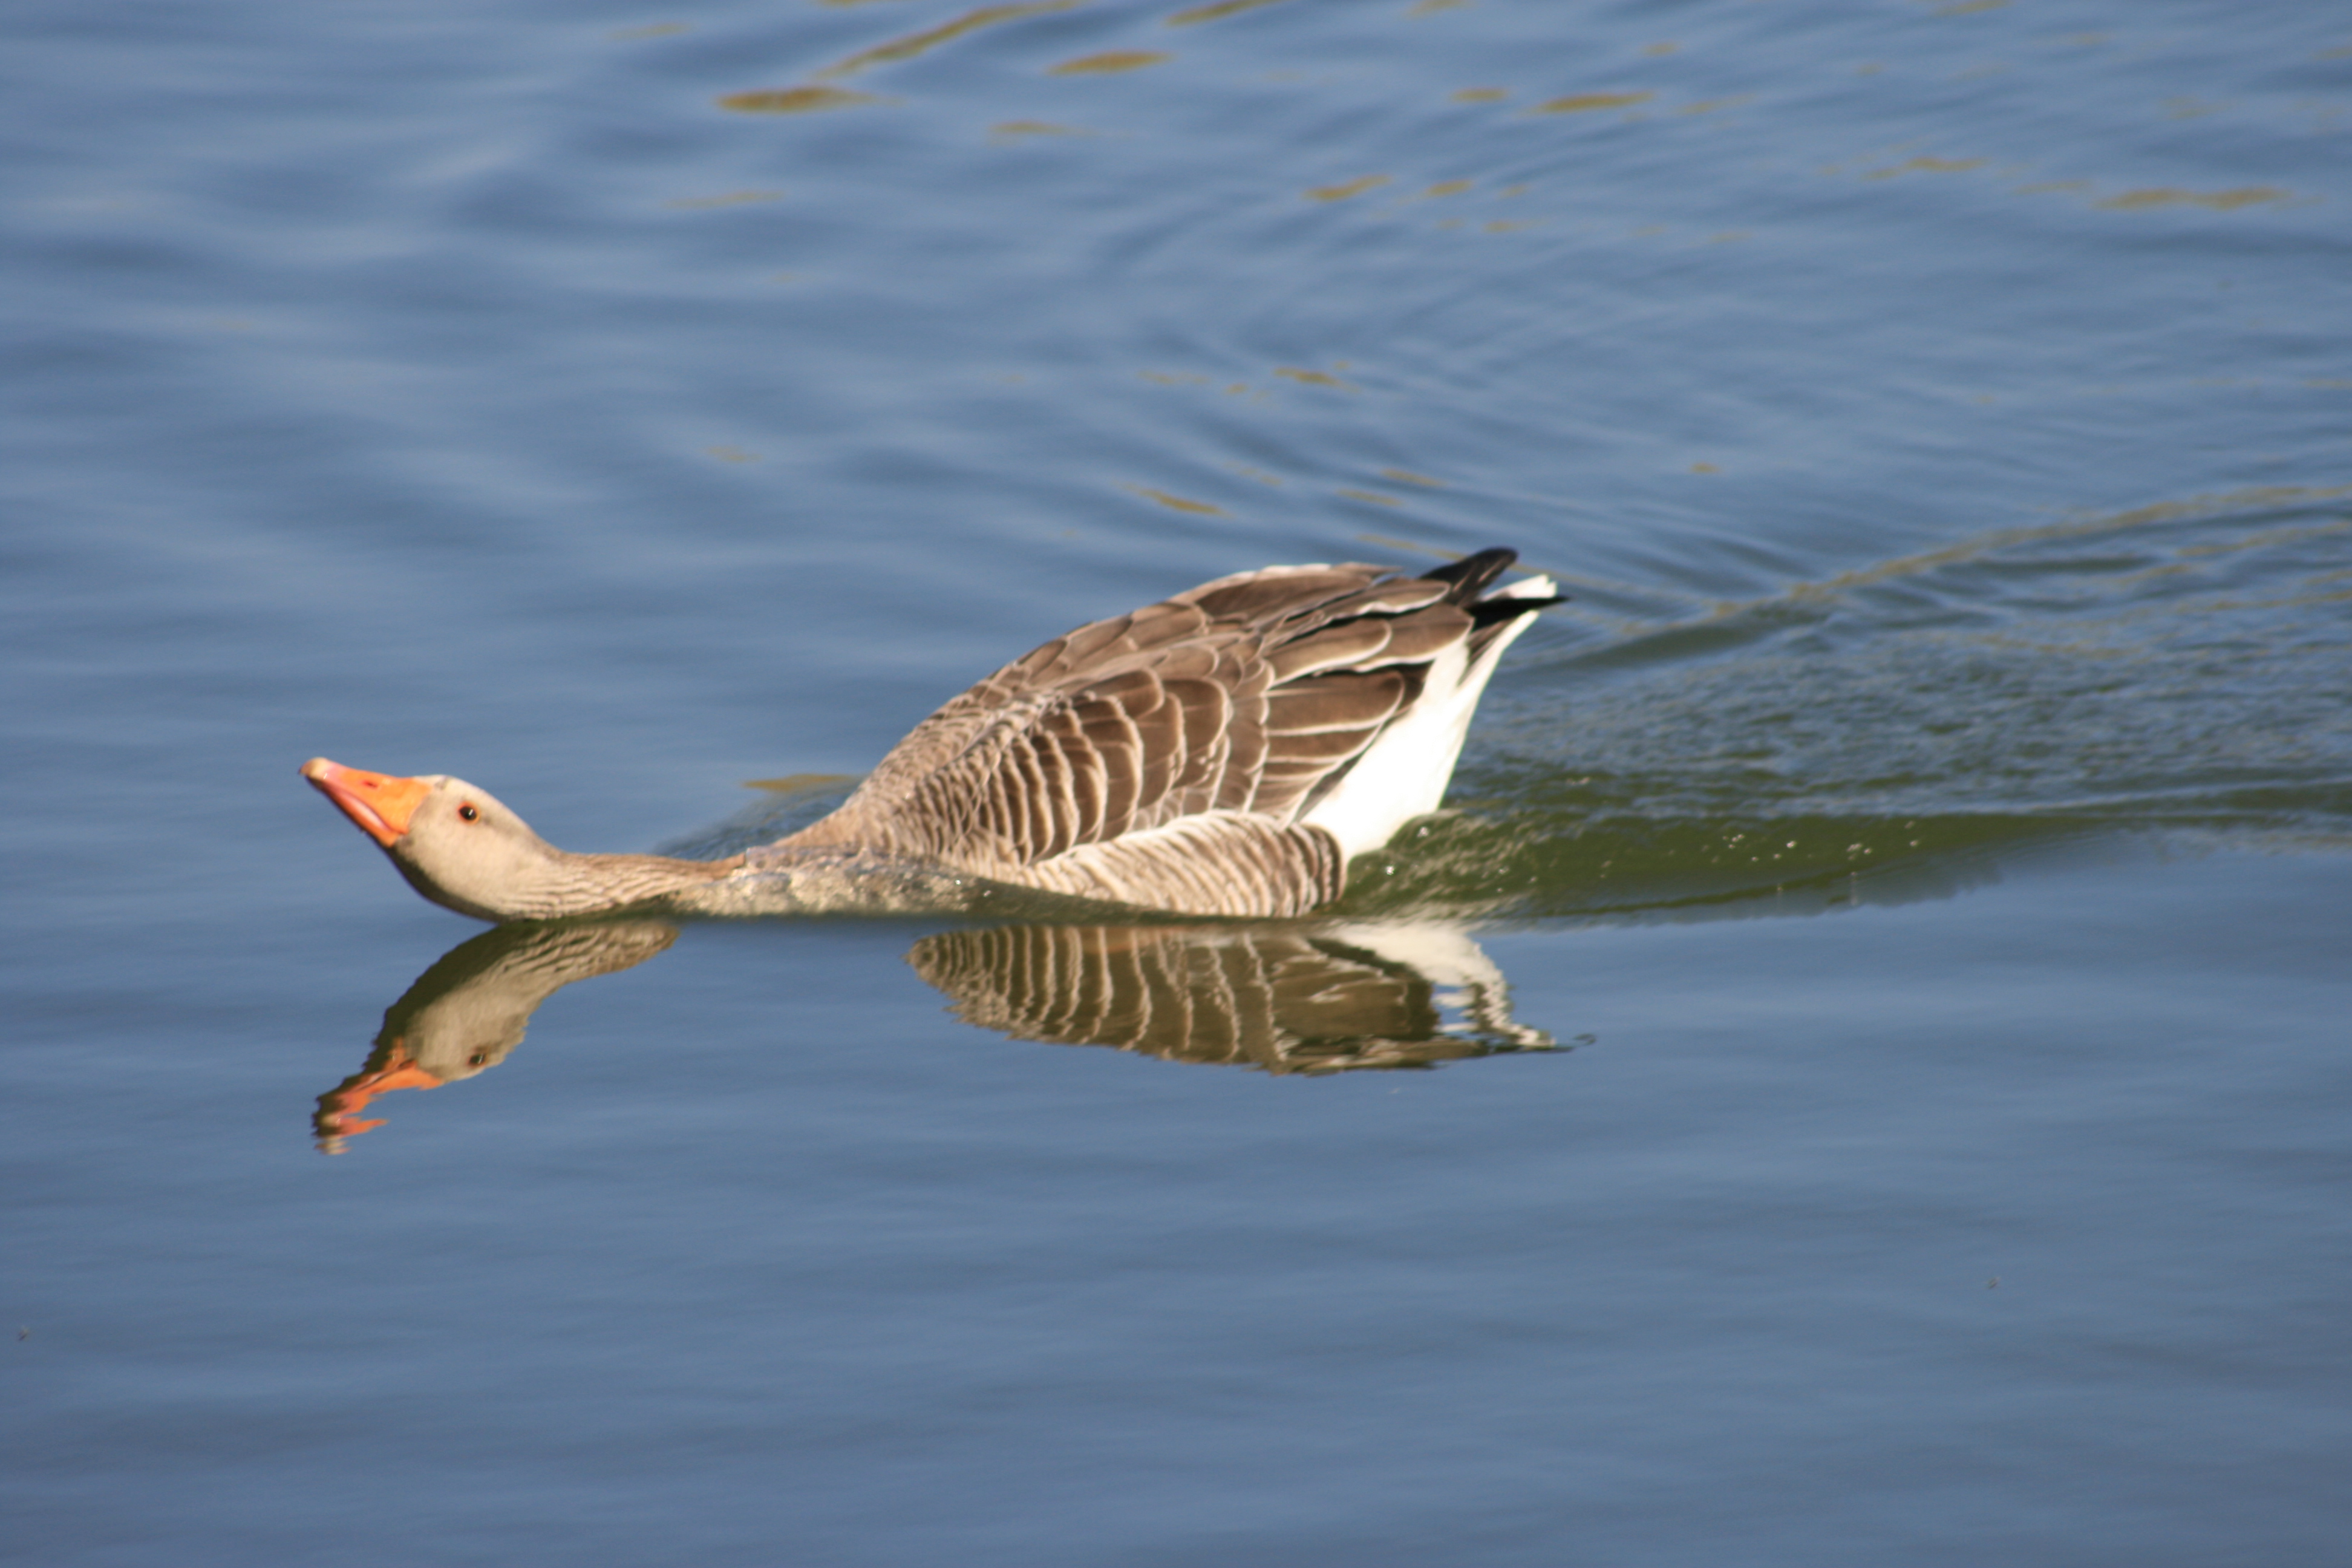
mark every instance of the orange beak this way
{"type": "Point", "coordinates": [380, 803]}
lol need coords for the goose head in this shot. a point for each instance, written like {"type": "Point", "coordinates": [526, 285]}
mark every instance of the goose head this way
{"type": "Point", "coordinates": [457, 843]}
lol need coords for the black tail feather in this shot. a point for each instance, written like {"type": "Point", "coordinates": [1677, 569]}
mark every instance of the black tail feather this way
{"type": "Point", "coordinates": [1473, 574]}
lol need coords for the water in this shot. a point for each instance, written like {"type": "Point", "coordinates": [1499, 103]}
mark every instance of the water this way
{"type": "Point", "coordinates": [1881, 980]}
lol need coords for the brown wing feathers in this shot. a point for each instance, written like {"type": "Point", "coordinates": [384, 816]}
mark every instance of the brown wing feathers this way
{"type": "Point", "coordinates": [1249, 694]}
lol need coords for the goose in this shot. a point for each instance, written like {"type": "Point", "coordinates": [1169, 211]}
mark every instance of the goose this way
{"type": "Point", "coordinates": [1222, 752]}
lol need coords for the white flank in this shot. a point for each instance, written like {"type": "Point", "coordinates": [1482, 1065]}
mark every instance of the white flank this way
{"type": "Point", "coordinates": [1405, 773]}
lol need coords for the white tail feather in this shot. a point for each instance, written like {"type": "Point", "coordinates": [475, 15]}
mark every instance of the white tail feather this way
{"type": "Point", "coordinates": [1405, 773]}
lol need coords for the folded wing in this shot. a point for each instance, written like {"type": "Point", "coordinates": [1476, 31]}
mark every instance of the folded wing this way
{"type": "Point", "coordinates": [1167, 757]}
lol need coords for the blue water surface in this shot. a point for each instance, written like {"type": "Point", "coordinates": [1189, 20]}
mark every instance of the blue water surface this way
{"type": "Point", "coordinates": [1857, 1074]}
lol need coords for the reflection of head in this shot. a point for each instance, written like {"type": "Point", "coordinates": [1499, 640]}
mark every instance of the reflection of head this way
{"type": "Point", "coordinates": [1287, 999]}
{"type": "Point", "coordinates": [468, 1011]}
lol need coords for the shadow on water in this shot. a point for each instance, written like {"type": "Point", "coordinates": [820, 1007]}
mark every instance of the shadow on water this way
{"type": "Point", "coordinates": [1613, 865]}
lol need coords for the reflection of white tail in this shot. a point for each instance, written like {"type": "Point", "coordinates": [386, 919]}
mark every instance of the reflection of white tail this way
{"type": "Point", "coordinates": [1469, 985]}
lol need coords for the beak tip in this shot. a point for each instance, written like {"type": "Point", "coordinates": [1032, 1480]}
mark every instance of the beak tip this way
{"type": "Point", "coordinates": [378, 803]}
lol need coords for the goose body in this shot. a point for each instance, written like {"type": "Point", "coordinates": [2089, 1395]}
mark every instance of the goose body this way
{"type": "Point", "coordinates": [1225, 752]}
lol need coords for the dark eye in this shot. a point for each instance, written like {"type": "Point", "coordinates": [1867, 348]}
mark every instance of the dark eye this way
{"type": "Point", "coordinates": [469, 813]}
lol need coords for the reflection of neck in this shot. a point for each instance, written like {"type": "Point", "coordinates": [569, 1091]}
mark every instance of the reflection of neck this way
{"type": "Point", "coordinates": [466, 1012]}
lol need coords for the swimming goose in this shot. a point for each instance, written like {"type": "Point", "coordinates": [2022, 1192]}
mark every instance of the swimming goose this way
{"type": "Point", "coordinates": [1222, 752]}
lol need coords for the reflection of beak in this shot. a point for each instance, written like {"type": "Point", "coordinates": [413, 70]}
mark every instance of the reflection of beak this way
{"type": "Point", "coordinates": [339, 1107]}
{"type": "Point", "coordinates": [380, 803]}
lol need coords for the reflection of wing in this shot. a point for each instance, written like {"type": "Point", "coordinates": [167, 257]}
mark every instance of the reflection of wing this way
{"type": "Point", "coordinates": [1284, 999]}
{"type": "Point", "coordinates": [466, 1012]}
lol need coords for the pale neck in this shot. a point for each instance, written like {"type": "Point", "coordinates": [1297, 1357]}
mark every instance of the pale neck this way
{"type": "Point", "coordinates": [584, 884]}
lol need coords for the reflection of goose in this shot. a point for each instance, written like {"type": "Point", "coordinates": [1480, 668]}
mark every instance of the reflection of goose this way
{"type": "Point", "coordinates": [1222, 752]}
{"type": "Point", "coordinates": [1302, 999]}
{"type": "Point", "coordinates": [466, 1012]}
{"type": "Point", "coordinates": [1286, 998]}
